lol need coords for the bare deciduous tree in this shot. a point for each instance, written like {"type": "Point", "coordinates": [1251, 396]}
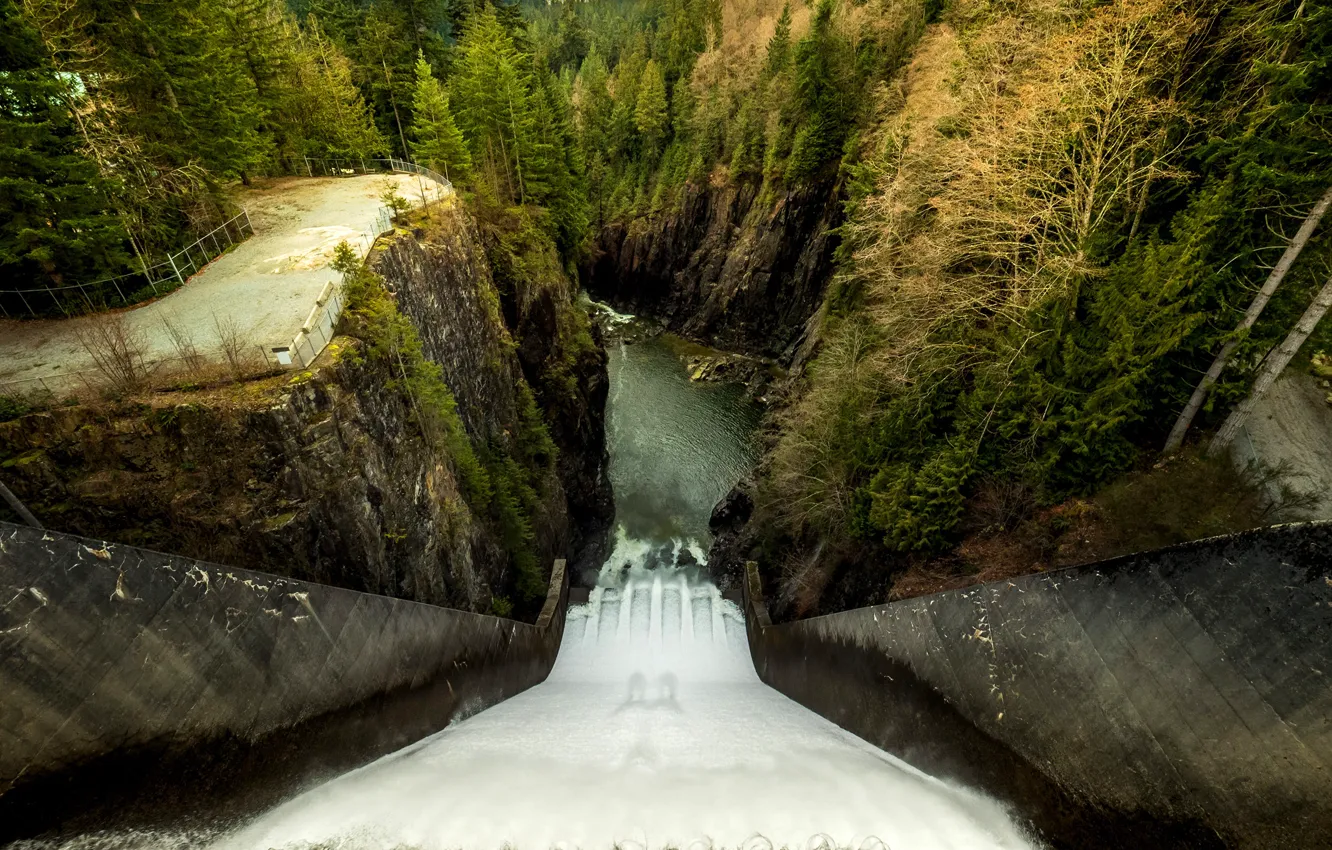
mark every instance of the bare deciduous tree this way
{"type": "Point", "coordinates": [234, 345]}
{"type": "Point", "coordinates": [117, 349]}
{"type": "Point", "coordinates": [183, 342]}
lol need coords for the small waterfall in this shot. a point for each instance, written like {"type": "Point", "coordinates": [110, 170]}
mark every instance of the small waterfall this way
{"type": "Point", "coordinates": [654, 624]}
{"type": "Point", "coordinates": [718, 624]}
{"type": "Point", "coordinates": [593, 627]}
{"type": "Point", "coordinates": [622, 633]}
{"type": "Point", "coordinates": [686, 613]}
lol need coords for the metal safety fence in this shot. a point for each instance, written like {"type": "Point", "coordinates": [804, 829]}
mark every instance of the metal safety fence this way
{"type": "Point", "coordinates": [319, 327]}
{"type": "Point", "coordinates": [313, 336]}
{"type": "Point", "coordinates": [346, 167]}
{"type": "Point", "coordinates": [132, 287]}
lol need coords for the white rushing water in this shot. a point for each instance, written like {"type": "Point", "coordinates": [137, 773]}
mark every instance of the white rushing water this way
{"type": "Point", "coordinates": [653, 730]}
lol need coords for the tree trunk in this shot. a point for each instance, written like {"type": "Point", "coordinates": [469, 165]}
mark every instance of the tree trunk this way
{"type": "Point", "coordinates": [1264, 295]}
{"type": "Point", "coordinates": [19, 507]}
{"type": "Point", "coordinates": [1273, 367]}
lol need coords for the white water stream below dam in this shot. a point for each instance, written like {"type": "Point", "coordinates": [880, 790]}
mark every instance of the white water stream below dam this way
{"type": "Point", "coordinates": [652, 731]}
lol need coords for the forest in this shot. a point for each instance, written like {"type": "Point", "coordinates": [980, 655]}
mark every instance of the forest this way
{"type": "Point", "coordinates": [1055, 212]}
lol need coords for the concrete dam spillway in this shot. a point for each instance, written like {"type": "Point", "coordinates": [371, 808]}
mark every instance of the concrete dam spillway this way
{"type": "Point", "coordinates": [1176, 699]}
{"type": "Point", "coordinates": [652, 730]}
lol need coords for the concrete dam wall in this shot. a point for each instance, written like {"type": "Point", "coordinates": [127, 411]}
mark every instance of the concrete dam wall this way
{"type": "Point", "coordinates": [132, 678]}
{"type": "Point", "coordinates": [1175, 698]}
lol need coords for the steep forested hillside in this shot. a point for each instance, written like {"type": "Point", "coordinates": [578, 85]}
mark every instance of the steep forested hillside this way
{"type": "Point", "coordinates": [1056, 216]}
{"type": "Point", "coordinates": [1048, 216]}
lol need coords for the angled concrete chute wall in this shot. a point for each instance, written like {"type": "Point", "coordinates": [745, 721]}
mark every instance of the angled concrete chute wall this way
{"type": "Point", "coordinates": [1183, 694]}
{"type": "Point", "coordinates": [123, 670]}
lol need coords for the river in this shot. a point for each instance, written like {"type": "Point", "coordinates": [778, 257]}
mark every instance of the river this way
{"type": "Point", "coordinates": [676, 447]}
{"type": "Point", "coordinates": [653, 730]}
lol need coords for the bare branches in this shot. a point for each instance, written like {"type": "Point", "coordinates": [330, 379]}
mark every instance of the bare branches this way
{"type": "Point", "coordinates": [117, 349]}
{"type": "Point", "coordinates": [234, 346]}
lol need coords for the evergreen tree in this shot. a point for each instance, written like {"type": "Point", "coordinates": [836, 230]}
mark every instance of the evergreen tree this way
{"type": "Point", "coordinates": [650, 116]}
{"type": "Point", "coordinates": [182, 87]}
{"type": "Point", "coordinates": [779, 46]}
{"type": "Point", "coordinates": [438, 142]}
{"type": "Point", "coordinates": [258, 34]}
{"type": "Point", "coordinates": [574, 42]}
{"type": "Point", "coordinates": [494, 106]}
{"type": "Point", "coordinates": [56, 224]}
{"type": "Point", "coordinates": [325, 104]}
{"type": "Point", "coordinates": [823, 84]}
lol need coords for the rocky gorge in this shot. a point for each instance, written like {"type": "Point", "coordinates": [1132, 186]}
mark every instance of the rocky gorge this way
{"type": "Point", "coordinates": [733, 268]}
{"type": "Point", "coordinates": [728, 266]}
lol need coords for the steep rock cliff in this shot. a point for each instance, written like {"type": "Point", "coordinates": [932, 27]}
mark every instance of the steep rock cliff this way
{"type": "Point", "coordinates": [729, 265]}
{"type": "Point", "coordinates": [512, 320]}
{"type": "Point", "coordinates": [329, 475]}
{"type": "Point", "coordinates": [322, 478]}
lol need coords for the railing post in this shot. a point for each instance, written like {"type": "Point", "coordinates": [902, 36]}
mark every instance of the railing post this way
{"type": "Point", "coordinates": [172, 261]}
{"type": "Point", "coordinates": [308, 169]}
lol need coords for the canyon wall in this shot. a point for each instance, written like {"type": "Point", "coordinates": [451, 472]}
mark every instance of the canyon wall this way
{"type": "Point", "coordinates": [326, 475]}
{"type": "Point", "coordinates": [728, 265]}
{"type": "Point", "coordinates": [493, 328]}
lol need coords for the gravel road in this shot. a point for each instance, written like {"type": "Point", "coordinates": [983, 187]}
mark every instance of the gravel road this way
{"type": "Point", "coordinates": [265, 286]}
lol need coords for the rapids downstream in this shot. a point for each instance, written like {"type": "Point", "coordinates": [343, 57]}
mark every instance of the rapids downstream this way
{"type": "Point", "coordinates": [653, 730]}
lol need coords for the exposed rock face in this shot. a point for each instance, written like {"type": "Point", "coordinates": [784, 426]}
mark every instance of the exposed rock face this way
{"type": "Point", "coordinates": [505, 327]}
{"type": "Point", "coordinates": [732, 536]}
{"type": "Point", "coordinates": [327, 477]}
{"type": "Point", "coordinates": [730, 267]}
{"type": "Point", "coordinates": [324, 480]}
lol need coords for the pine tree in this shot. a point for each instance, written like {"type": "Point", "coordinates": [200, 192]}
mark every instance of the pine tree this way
{"type": "Point", "coordinates": [258, 34]}
{"type": "Point", "coordinates": [624, 87]}
{"type": "Point", "coordinates": [384, 49]}
{"type": "Point", "coordinates": [493, 106]}
{"type": "Point", "coordinates": [438, 142]}
{"type": "Point", "coordinates": [56, 224]}
{"type": "Point", "coordinates": [183, 87]}
{"type": "Point", "coordinates": [574, 39]}
{"type": "Point", "coordinates": [325, 104]}
{"type": "Point", "coordinates": [779, 46]}
{"type": "Point", "coordinates": [823, 84]}
{"type": "Point", "coordinates": [651, 118]}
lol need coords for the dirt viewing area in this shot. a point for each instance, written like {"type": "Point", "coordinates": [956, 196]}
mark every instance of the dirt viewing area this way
{"type": "Point", "coordinates": [260, 292]}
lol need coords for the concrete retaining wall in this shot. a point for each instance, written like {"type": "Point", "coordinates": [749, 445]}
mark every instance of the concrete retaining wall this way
{"type": "Point", "coordinates": [1181, 696]}
{"type": "Point", "coordinates": [123, 670]}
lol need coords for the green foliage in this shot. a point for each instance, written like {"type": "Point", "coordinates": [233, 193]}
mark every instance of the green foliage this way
{"type": "Point", "coordinates": [779, 46]}
{"type": "Point", "coordinates": [438, 142]}
{"type": "Point", "coordinates": [1063, 394]}
{"type": "Point", "coordinates": [823, 88]}
{"type": "Point", "coordinates": [57, 219]}
{"type": "Point", "coordinates": [330, 117]}
{"type": "Point", "coordinates": [500, 482]}
{"type": "Point", "coordinates": [650, 116]}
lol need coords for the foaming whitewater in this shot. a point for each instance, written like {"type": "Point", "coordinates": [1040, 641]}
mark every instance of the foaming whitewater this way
{"type": "Point", "coordinates": [652, 730]}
